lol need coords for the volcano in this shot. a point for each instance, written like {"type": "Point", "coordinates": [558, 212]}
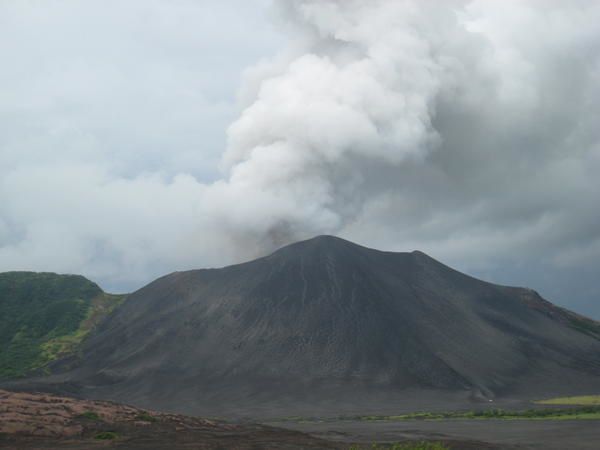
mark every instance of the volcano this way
{"type": "Point", "coordinates": [331, 320]}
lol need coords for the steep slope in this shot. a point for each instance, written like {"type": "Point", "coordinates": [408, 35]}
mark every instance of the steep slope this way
{"type": "Point", "coordinates": [333, 319]}
{"type": "Point", "coordinates": [44, 316]}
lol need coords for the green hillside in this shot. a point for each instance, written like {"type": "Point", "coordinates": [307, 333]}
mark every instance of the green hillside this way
{"type": "Point", "coordinates": [44, 316]}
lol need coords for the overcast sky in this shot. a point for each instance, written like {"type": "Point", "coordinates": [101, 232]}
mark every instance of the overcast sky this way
{"type": "Point", "coordinates": [147, 136]}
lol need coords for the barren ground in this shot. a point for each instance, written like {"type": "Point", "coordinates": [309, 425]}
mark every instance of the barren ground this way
{"type": "Point", "coordinates": [505, 434]}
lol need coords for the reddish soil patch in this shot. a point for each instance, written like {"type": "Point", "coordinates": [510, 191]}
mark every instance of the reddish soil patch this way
{"type": "Point", "coordinates": [44, 421]}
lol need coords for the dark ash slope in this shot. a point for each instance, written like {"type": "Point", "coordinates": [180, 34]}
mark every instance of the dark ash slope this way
{"type": "Point", "coordinates": [330, 317]}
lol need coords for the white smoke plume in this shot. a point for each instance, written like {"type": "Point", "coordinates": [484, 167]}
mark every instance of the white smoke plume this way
{"type": "Point", "coordinates": [359, 85]}
{"type": "Point", "coordinates": [465, 128]}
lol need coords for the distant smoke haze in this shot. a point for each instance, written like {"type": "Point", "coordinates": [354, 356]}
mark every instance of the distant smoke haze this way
{"type": "Point", "coordinates": [466, 129]}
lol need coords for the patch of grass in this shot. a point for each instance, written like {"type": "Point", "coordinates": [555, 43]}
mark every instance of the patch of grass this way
{"type": "Point", "coordinates": [585, 325]}
{"type": "Point", "coordinates": [90, 415]}
{"type": "Point", "coordinates": [99, 307]}
{"type": "Point", "coordinates": [106, 435]}
{"type": "Point", "coordinates": [590, 412]}
{"type": "Point", "coordinates": [580, 400]}
{"type": "Point", "coordinates": [587, 412]}
{"type": "Point", "coordinates": [404, 446]}
{"type": "Point", "coordinates": [146, 417]}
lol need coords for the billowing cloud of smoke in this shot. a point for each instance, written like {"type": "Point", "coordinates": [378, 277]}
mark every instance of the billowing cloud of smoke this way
{"type": "Point", "coordinates": [467, 129]}
{"type": "Point", "coordinates": [359, 86]}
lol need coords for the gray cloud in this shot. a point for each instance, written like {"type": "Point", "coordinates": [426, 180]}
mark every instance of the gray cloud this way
{"type": "Point", "coordinates": [467, 130]}
{"type": "Point", "coordinates": [111, 115]}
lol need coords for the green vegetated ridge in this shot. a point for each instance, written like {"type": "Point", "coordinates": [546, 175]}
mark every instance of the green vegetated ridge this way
{"type": "Point", "coordinates": [46, 316]}
{"type": "Point", "coordinates": [579, 400]}
{"type": "Point", "coordinates": [589, 411]}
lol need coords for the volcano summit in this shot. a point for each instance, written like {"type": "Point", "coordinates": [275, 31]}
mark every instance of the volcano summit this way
{"type": "Point", "coordinates": [334, 321]}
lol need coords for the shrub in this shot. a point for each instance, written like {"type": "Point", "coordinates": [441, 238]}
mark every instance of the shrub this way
{"type": "Point", "coordinates": [106, 435]}
{"type": "Point", "coordinates": [146, 417]}
{"type": "Point", "coordinates": [90, 415]}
